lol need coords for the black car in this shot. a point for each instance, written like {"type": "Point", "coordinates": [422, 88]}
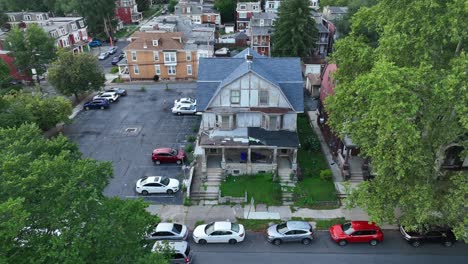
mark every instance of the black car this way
{"type": "Point", "coordinates": [431, 235]}
{"type": "Point", "coordinates": [96, 104]}
{"type": "Point", "coordinates": [119, 91]}
{"type": "Point", "coordinates": [117, 58]}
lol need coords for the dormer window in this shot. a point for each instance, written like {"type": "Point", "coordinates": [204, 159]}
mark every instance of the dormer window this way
{"type": "Point", "coordinates": [27, 17]}
{"type": "Point", "coordinates": [12, 18]}
{"type": "Point", "coordinates": [242, 7]}
{"type": "Point", "coordinates": [188, 9]}
{"type": "Point", "coordinates": [155, 42]}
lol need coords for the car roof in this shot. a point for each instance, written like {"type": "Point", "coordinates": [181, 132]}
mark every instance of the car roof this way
{"type": "Point", "coordinates": [162, 150]}
{"type": "Point", "coordinates": [151, 179]}
{"type": "Point", "coordinates": [359, 225]}
{"type": "Point", "coordinates": [164, 227]}
{"type": "Point", "coordinates": [222, 225]}
{"type": "Point", "coordinates": [298, 225]}
{"type": "Point", "coordinates": [177, 246]}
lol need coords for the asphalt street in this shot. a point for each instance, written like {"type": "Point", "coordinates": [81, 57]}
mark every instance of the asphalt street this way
{"type": "Point", "coordinates": [255, 249]}
{"type": "Point", "coordinates": [106, 64]}
{"type": "Point", "coordinates": [127, 132]}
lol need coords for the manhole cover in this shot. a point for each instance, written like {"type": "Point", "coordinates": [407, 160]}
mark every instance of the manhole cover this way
{"type": "Point", "coordinates": [130, 129]}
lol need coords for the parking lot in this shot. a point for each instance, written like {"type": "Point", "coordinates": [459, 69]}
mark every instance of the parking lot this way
{"type": "Point", "coordinates": [127, 132]}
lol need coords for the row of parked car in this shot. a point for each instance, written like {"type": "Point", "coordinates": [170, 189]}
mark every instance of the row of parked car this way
{"type": "Point", "coordinates": [103, 99]}
{"type": "Point", "coordinates": [185, 106]}
{"type": "Point", "coordinates": [174, 235]}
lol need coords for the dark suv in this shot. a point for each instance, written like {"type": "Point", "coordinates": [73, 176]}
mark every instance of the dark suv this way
{"type": "Point", "coordinates": [432, 235]}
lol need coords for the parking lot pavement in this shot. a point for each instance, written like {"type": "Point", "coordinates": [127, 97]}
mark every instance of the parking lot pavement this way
{"type": "Point", "coordinates": [106, 64]}
{"type": "Point", "coordinates": [127, 132]}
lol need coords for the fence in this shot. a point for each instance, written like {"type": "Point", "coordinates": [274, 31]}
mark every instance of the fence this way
{"type": "Point", "coordinates": [231, 199]}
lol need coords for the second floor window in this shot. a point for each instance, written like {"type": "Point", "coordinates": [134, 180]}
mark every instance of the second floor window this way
{"type": "Point", "coordinates": [136, 70]}
{"type": "Point", "coordinates": [188, 56]}
{"type": "Point", "coordinates": [27, 17]}
{"type": "Point", "coordinates": [134, 58]}
{"type": "Point", "coordinates": [235, 97]}
{"type": "Point", "coordinates": [156, 55]}
{"type": "Point", "coordinates": [271, 5]}
{"type": "Point", "coordinates": [170, 57]}
{"type": "Point", "coordinates": [242, 7]}
{"type": "Point", "coordinates": [263, 98]}
{"type": "Point", "coordinates": [81, 22]}
{"type": "Point", "coordinates": [189, 69]}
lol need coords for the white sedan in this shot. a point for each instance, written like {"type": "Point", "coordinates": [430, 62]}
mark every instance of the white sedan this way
{"type": "Point", "coordinates": [185, 100]}
{"type": "Point", "coordinates": [184, 109]}
{"type": "Point", "coordinates": [157, 184]}
{"type": "Point", "coordinates": [219, 232]}
{"type": "Point", "coordinates": [103, 55]}
{"type": "Point", "coordinates": [110, 96]}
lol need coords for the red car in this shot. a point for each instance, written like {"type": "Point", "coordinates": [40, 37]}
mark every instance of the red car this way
{"type": "Point", "coordinates": [356, 232]}
{"type": "Point", "coordinates": [161, 155]}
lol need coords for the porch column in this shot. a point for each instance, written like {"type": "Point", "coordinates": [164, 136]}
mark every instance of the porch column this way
{"type": "Point", "coordinates": [347, 155]}
{"type": "Point", "coordinates": [203, 163]}
{"type": "Point", "coordinates": [294, 160]}
{"type": "Point", "coordinates": [249, 162]}
{"type": "Point", "coordinates": [223, 159]}
{"type": "Point", "coordinates": [275, 153]}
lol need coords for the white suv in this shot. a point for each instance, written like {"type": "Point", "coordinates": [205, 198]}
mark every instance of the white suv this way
{"type": "Point", "coordinates": [110, 96]}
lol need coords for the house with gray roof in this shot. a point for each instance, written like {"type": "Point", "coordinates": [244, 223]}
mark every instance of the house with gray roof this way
{"type": "Point", "coordinates": [198, 11]}
{"type": "Point", "coordinates": [249, 105]}
{"type": "Point", "coordinates": [261, 29]}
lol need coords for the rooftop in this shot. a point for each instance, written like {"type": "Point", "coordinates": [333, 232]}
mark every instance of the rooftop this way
{"type": "Point", "coordinates": [165, 41]}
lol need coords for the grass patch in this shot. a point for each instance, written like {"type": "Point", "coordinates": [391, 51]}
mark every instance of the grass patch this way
{"type": "Point", "coordinates": [114, 70]}
{"type": "Point", "coordinates": [256, 224]}
{"type": "Point", "coordinates": [260, 186]}
{"type": "Point", "coordinates": [126, 31]}
{"type": "Point", "coordinates": [325, 224]}
{"type": "Point", "coordinates": [311, 189]}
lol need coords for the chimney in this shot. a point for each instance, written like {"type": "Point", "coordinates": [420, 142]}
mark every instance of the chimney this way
{"type": "Point", "coordinates": [249, 57]}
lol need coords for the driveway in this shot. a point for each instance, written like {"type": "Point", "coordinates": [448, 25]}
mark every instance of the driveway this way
{"type": "Point", "coordinates": [127, 132]}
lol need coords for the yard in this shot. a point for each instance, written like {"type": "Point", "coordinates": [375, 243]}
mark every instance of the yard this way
{"type": "Point", "coordinates": [261, 187]}
{"type": "Point", "coordinates": [311, 190]}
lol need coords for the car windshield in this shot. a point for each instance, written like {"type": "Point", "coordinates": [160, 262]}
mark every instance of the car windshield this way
{"type": "Point", "coordinates": [235, 227]}
{"type": "Point", "coordinates": [177, 228]}
{"type": "Point", "coordinates": [165, 181]}
{"type": "Point", "coordinates": [282, 228]}
{"type": "Point", "coordinates": [174, 152]}
{"type": "Point", "coordinates": [347, 228]}
{"type": "Point", "coordinates": [209, 228]}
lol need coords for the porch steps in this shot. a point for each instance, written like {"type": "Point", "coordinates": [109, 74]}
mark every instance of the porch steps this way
{"type": "Point", "coordinates": [204, 196]}
{"type": "Point", "coordinates": [356, 177]}
{"type": "Point", "coordinates": [209, 190]}
{"type": "Point", "coordinates": [287, 184]}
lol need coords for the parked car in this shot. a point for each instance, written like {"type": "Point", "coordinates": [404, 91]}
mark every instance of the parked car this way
{"type": "Point", "coordinates": [180, 251]}
{"type": "Point", "coordinates": [356, 232]}
{"type": "Point", "coordinates": [157, 184]}
{"type": "Point", "coordinates": [431, 235]}
{"type": "Point", "coordinates": [168, 231]}
{"type": "Point", "coordinates": [162, 155]}
{"type": "Point", "coordinates": [117, 58]}
{"type": "Point", "coordinates": [96, 104]}
{"type": "Point", "coordinates": [184, 109]}
{"type": "Point", "coordinates": [119, 91]}
{"type": "Point", "coordinates": [110, 96]}
{"type": "Point", "coordinates": [185, 100]}
{"type": "Point", "coordinates": [219, 232]}
{"type": "Point", "coordinates": [95, 43]}
{"type": "Point", "coordinates": [103, 55]}
{"type": "Point", "coordinates": [291, 231]}
{"type": "Point", "coordinates": [112, 50]}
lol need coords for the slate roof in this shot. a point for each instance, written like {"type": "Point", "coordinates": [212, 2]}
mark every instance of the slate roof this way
{"type": "Point", "coordinates": [280, 138]}
{"type": "Point", "coordinates": [167, 41]}
{"type": "Point", "coordinates": [215, 73]}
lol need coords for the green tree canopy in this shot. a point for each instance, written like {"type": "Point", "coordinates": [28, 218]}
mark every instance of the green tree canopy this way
{"type": "Point", "coordinates": [143, 5]}
{"type": "Point", "coordinates": [227, 9]}
{"type": "Point", "coordinates": [60, 214]}
{"type": "Point", "coordinates": [32, 48]}
{"type": "Point", "coordinates": [294, 33]}
{"type": "Point", "coordinates": [4, 72]}
{"type": "Point", "coordinates": [403, 100]}
{"type": "Point", "coordinates": [171, 5]}
{"type": "Point", "coordinates": [73, 74]}
{"type": "Point", "coordinates": [96, 13]}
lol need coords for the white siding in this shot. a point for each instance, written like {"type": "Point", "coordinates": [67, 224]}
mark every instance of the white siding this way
{"type": "Point", "coordinates": [251, 119]}
{"type": "Point", "coordinates": [253, 97]}
{"type": "Point", "coordinates": [289, 121]}
{"type": "Point", "coordinates": [244, 98]}
{"type": "Point", "coordinates": [208, 120]}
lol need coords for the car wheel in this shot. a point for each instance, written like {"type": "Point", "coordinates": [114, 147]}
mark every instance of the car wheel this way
{"type": "Point", "coordinates": [232, 241]}
{"type": "Point", "coordinates": [111, 101]}
{"type": "Point", "coordinates": [102, 107]}
{"type": "Point", "coordinates": [416, 243]}
{"type": "Point", "coordinates": [87, 108]}
{"type": "Point", "coordinates": [179, 162]}
{"type": "Point", "coordinates": [178, 113]}
{"type": "Point", "coordinates": [343, 243]}
{"type": "Point", "coordinates": [277, 242]}
{"type": "Point", "coordinates": [306, 241]}
{"type": "Point", "coordinates": [145, 192]}
{"type": "Point", "coordinates": [157, 162]}
{"type": "Point", "coordinates": [169, 191]}
{"type": "Point", "coordinates": [373, 242]}
{"type": "Point", "coordinates": [448, 243]}
{"type": "Point", "coordinates": [202, 241]}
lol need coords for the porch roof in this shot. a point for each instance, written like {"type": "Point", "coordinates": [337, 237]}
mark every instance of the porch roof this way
{"type": "Point", "coordinates": [280, 138]}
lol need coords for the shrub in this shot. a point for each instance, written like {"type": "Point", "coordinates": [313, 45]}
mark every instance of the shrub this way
{"type": "Point", "coordinates": [189, 148]}
{"type": "Point", "coordinates": [118, 80]}
{"type": "Point", "coordinates": [142, 89]}
{"type": "Point", "coordinates": [114, 70]}
{"type": "Point", "coordinates": [156, 78]}
{"type": "Point", "coordinates": [191, 138]}
{"type": "Point", "coordinates": [187, 201]}
{"type": "Point", "coordinates": [326, 175]}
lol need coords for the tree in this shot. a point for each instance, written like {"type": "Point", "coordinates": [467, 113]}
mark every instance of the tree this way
{"type": "Point", "coordinates": [294, 33]}
{"type": "Point", "coordinates": [4, 72]}
{"type": "Point", "coordinates": [171, 5]}
{"type": "Point", "coordinates": [97, 13]}
{"type": "Point", "coordinates": [3, 19]}
{"type": "Point", "coordinates": [143, 5]}
{"type": "Point", "coordinates": [32, 49]}
{"type": "Point", "coordinates": [60, 214]}
{"type": "Point", "coordinates": [404, 102]}
{"type": "Point", "coordinates": [227, 9]}
{"type": "Point", "coordinates": [73, 74]}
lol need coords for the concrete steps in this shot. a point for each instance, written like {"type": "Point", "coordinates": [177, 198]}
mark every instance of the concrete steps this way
{"type": "Point", "coordinates": [356, 177]}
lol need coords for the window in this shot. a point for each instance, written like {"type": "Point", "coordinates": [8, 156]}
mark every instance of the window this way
{"type": "Point", "coordinates": [225, 121]}
{"type": "Point", "coordinates": [136, 70]}
{"type": "Point", "coordinates": [208, 17]}
{"type": "Point", "coordinates": [134, 58]}
{"type": "Point", "coordinates": [171, 70]}
{"type": "Point", "coordinates": [242, 15]}
{"type": "Point", "coordinates": [188, 55]}
{"type": "Point", "coordinates": [81, 22]}
{"type": "Point", "coordinates": [255, 7]}
{"type": "Point", "coordinates": [12, 18]}
{"type": "Point", "coordinates": [27, 17]}
{"type": "Point", "coordinates": [38, 17]}
{"type": "Point", "coordinates": [157, 69]}
{"type": "Point", "coordinates": [262, 22]}
{"type": "Point", "coordinates": [189, 69]}
{"type": "Point", "coordinates": [170, 57]}
{"type": "Point", "coordinates": [73, 26]}
{"type": "Point", "coordinates": [263, 97]}
{"type": "Point", "coordinates": [242, 7]}
{"type": "Point", "coordinates": [66, 43]}
{"type": "Point", "coordinates": [155, 42]}
{"type": "Point", "coordinates": [156, 55]}
{"type": "Point", "coordinates": [274, 122]}
{"type": "Point", "coordinates": [63, 31]}
{"type": "Point", "coordinates": [235, 97]}
{"type": "Point", "coordinates": [188, 9]}
{"type": "Point", "coordinates": [271, 5]}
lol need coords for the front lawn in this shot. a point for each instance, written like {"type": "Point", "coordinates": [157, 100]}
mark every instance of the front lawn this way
{"type": "Point", "coordinates": [310, 189]}
{"type": "Point", "coordinates": [261, 187]}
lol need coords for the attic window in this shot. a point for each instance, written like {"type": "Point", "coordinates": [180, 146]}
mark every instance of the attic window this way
{"type": "Point", "coordinates": [155, 42]}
